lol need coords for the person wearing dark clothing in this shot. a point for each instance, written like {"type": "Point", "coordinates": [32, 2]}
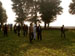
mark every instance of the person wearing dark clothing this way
{"type": "Point", "coordinates": [62, 31]}
{"type": "Point", "coordinates": [18, 29]}
{"type": "Point", "coordinates": [39, 32]}
{"type": "Point", "coordinates": [5, 30]}
{"type": "Point", "coordinates": [24, 30]}
{"type": "Point", "coordinates": [31, 33]}
{"type": "Point", "coordinates": [15, 29]}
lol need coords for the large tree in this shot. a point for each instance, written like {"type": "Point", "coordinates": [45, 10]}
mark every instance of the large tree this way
{"type": "Point", "coordinates": [72, 7]}
{"type": "Point", "coordinates": [3, 15]}
{"type": "Point", "coordinates": [22, 8]}
{"type": "Point", "coordinates": [49, 10]}
{"type": "Point", "coordinates": [18, 9]}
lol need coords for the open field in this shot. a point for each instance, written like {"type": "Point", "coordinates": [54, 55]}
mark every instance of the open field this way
{"type": "Point", "coordinates": [51, 45]}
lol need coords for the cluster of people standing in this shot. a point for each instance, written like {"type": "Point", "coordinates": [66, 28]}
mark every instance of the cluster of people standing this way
{"type": "Point", "coordinates": [5, 28]}
{"type": "Point", "coordinates": [18, 28]}
{"type": "Point", "coordinates": [32, 31]}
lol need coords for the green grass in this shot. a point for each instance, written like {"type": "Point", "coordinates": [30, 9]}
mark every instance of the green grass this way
{"type": "Point", "coordinates": [51, 45]}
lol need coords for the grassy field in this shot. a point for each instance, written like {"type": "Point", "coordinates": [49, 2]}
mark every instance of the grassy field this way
{"type": "Point", "coordinates": [51, 45]}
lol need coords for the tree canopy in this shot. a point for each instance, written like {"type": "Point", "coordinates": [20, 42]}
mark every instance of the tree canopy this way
{"type": "Point", "coordinates": [72, 7]}
{"type": "Point", "coordinates": [3, 15]}
{"type": "Point", "coordinates": [49, 10]}
{"type": "Point", "coordinates": [23, 8]}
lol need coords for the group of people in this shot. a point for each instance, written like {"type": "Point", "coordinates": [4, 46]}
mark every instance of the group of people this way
{"type": "Point", "coordinates": [17, 29]}
{"type": "Point", "coordinates": [33, 30]}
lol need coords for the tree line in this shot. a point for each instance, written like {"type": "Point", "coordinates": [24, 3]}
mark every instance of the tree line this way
{"type": "Point", "coordinates": [28, 10]}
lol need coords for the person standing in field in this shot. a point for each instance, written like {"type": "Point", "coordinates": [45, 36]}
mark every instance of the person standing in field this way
{"type": "Point", "coordinates": [24, 30]}
{"type": "Point", "coordinates": [18, 29]}
{"type": "Point", "coordinates": [31, 32]}
{"type": "Point", "coordinates": [34, 31]}
{"type": "Point", "coordinates": [62, 31]}
{"type": "Point", "coordinates": [15, 29]}
{"type": "Point", "coordinates": [39, 32]}
{"type": "Point", "coordinates": [5, 30]}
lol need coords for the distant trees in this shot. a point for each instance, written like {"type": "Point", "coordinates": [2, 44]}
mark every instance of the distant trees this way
{"type": "Point", "coordinates": [3, 15]}
{"type": "Point", "coordinates": [49, 10]}
{"type": "Point", "coordinates": [72, 7]}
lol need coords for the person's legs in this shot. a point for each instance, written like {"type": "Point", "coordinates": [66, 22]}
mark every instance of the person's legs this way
{"type": "Point", "coordinates": [6, 33]}
{"type": "Point", "coordinates": [26, 32]}
{"type": "Point", "coordinates": [38, 36]}
{"type": "Point", "coordinates": [18, 33]}
{"type": "Point", "coordinates": [34, 35]}
{"type": "Point", "coordinates": [30, 37]}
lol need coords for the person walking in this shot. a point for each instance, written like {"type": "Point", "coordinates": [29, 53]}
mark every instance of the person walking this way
{"type": "Point", "coordinates": [24, 30]}
{"type": "Point", "coordinates": [15, 29]}
{"type": "Point", "coordinates": [34, 31]}
{"type": "Point", "coordinates": [5, 30]}
{"type": "Point", "coordinates": [62, 31]}
{"type": "Point", "coordinates": [31, 32]}
{"type": "Point", "coordinates": [18, 29]}
{"type": "Point", "coordinates": [39, 32]}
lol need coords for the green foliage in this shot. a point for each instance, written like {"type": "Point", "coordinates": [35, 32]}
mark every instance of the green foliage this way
{"type": "Point", "coordinates": [19, 7]}
{"type": "Point", "coordinates": [72, 7]}
{"type": "Point", "coordinates": [51, 45]}
{"type": "Point", "coordinates": [23, 8]}
{"type": "Point", "coordinates": [3, 16]}
{"type": "Point", "coordinates": [50, 9]}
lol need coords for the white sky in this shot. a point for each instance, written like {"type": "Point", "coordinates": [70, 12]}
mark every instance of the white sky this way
{"type": "Point", "coordinates": [65, 18]}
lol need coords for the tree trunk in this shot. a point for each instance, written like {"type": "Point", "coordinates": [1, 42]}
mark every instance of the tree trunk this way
{"type": "Point", "coordinates": [48, 25]}
{"type": "Point", "coordinates": [22, 24]}
{"type": "Point", "coordinates": [45, 25]}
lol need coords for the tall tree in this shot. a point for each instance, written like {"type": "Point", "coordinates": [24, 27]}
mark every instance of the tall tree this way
{"type": "Point", "coordinates": [72, 7]}
{"type": "Point", "coordinates": [22, 8]}
{"type": "Point", "coordinates": [3, 15]}
{"type": "Point", "coordinates": [49, 10]}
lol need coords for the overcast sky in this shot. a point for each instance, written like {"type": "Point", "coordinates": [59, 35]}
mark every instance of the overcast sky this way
{"type": "Point", "coordinates": [65, 18]}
